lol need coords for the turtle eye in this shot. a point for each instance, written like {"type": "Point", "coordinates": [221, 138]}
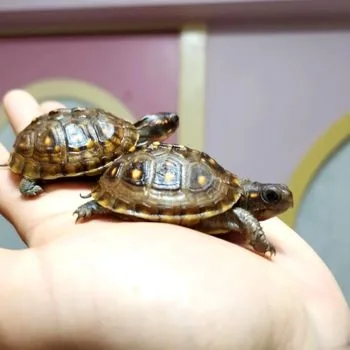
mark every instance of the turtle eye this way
{"type": "Point", "coordinates": [271, 196]}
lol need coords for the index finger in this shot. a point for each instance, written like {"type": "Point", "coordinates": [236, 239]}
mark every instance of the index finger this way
{"type": "Point", "coordinates": [21, 108]}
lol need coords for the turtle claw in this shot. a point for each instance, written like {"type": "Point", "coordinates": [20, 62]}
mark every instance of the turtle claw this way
{"type": "Point", "coordinates": [88, 210]}
{"type": "Point", "coordinates": [85, 195]}
{"type": "Point", "coordinates": [83, 212]}
{"type": "Point", "coordinates": [264, 247]}
{"type": "Point", "coordinates": [271, 250]}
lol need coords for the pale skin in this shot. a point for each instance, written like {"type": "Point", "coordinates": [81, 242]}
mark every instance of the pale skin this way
{"type": "Point", "coordinates": [129, 286]}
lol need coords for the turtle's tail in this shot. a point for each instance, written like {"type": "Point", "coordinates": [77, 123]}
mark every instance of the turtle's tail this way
{"type": "Point", "coordinates": [85, 195]}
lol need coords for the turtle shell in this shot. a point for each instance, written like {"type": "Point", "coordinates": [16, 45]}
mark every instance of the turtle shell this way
{"type": "Point", "coordinates": [71, 142]}
{"type": "Point", "coordinates": [167, 183]}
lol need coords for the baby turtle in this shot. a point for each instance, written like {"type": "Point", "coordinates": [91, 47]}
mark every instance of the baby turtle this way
{"type": "Point", "coordinates": [179, 185]}
{"type": "Point", "coordinates": [80, 141]}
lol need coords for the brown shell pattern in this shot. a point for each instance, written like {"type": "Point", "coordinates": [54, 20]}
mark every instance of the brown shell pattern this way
{"type": "Point", "coordinates": [171, 183]}
{"type": "Point", "coordinates": [71, 142]}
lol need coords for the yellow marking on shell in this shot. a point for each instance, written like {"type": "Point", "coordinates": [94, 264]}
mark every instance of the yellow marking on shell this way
{"type": "Point", "coordinates": [22, 145]}
{"type": "Point", "coordinates": [56, 157]}
{"type": "Point", "coordinates": [48, 141]}
{"type": "Point", "coordinates": [132, 149]}
{"type": "Point", "coordinates": [189, 221]}
{"type": "Point", "coordinates": [170, 219]}
{"type": "Point", "coordinates": [113, 171]}
{"type": "Point", "coordinates": [168, 177]}
{"type": "Point", "coordinates": [254, 195]}
{"type": "Point", "coordinates": [57, 148]}
{"type": "Point", "coordinates": [235, 181]}
{"type": "Point", "coordinates": [116, 140]}
{"type": "Point", "coordinates": [212, 161]}
{"type": "Point", "coordinates": [202, 180]}
{"type": "Point", "coordinates": [136, 174]}
{"type": "Point", "coordinates": [108, 147]}
{"type": "Point", "coordinates": [104, 202]}
{"type": "Point", "coordinates": [90, 144]}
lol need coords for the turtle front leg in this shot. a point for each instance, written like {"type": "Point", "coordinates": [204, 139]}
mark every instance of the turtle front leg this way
{"type": "Point", "coordinates": [242, 221]}
{"type": "Point", "coordinates": [29, 188]}
{"type": "Point", "coordinates": [89, 209]}
{"type": "Point", "coordinates": [251, 227]}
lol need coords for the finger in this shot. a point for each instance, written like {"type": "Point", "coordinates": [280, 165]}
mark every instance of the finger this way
{"type": "Point", "coordinates": [4, 154]}
{"type": "Point", "coordinates": [297, 259]}
{"type": "Point", "coordinates": [8, 186]}
{"type": "Point", "coordinates": [286, 240]}
{"type": "Point", "coordinates": [20, 107]}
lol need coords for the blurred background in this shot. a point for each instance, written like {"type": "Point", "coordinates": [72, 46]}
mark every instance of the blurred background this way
{"type": "Point", "coordinates": [262, 86]}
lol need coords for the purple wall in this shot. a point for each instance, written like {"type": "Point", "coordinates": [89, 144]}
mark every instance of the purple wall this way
{"type": "Point", "coordinates": [140, 70]}
{"type": "Point", "coordinates": [271, 94]}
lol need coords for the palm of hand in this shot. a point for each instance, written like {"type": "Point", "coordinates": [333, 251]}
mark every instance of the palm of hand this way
{"type": "Point", "coordinates": [295, 280]}
{"type": "Point", "coordinates": [33, 217]}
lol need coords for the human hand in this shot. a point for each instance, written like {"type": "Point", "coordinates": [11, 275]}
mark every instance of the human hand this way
{"type": "Point", "coordinates": [108, 285]}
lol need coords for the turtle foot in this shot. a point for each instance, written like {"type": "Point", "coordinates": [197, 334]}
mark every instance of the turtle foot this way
{"type": "Point", "coordinates": [262, 246]}
{"type": "Point", "coordinates": [88, 210]}
{"type": "Point", "coordinates": [30, 188]}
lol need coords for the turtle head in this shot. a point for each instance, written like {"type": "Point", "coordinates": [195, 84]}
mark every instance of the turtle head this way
{"type": "Point", "coordinates": [265, 201]}
{"type": "Point", "coordinates": [157, 127]}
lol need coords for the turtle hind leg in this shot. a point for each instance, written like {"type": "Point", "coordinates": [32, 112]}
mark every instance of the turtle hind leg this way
{"type": "Point", "coordinates": [89, 209]}
{"type": "Point", "coordinates": [30, 188]}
